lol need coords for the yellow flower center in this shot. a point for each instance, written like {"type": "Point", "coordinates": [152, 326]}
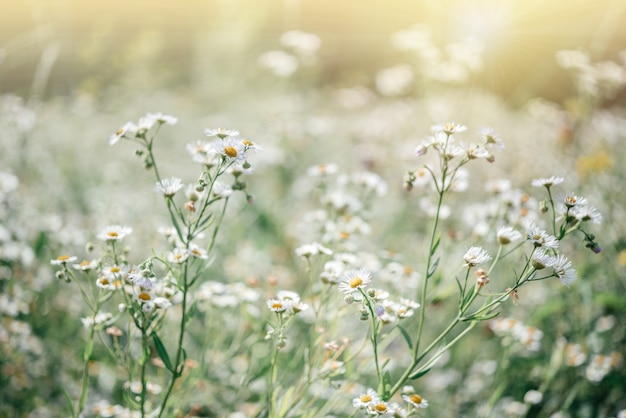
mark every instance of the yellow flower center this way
{"type": "Point", "coordinates": [115, 269]}
{"type": "Point", "coordinates": [230, 151]}
{"type": "Point", "coordinates": [119, 132]}
{"type": "Point", "coordinates": [365, 398]}
{"type": "Point", "coordinates": [104, 281]}
{"type": "Point", "coordinates": [144, 296]}
{"type": "Point", "coordinates": [415, 398]}
{"type": "Point", "coordinates": [277, 305]}
{"type": "Point", "coordinates": [84, 263]}
{"type": "Point", "coordinates": [112, 234]}
{"type": "Point", "coordinates": [356, 282]}
{"type": "Point", "coordinates": [247, 143]}
{"type": "Point", "coordinates": [63, 258]}
{"type": "Point", "coordinates": [380, 407]}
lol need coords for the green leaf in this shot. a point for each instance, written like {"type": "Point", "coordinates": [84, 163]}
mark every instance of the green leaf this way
{"type": "Point", "coordinates": [88, 349]}
{"type": "Point", "coordinates": [435, 244]}
{"type": "Point", "coordinates": [386, 385]}
{"type": "Point", "coordinates": [433, 268]}
{"type": "Point", "coordinates": [162, 352]}
{"type": "Point", "coordinates": [419, 374]}
{"type": "Point", "coordinates": [286, 401]}
{"type": "Point", "coordinates": [406, 336]}
{"type": "Point", "coordinates": [70, 404]}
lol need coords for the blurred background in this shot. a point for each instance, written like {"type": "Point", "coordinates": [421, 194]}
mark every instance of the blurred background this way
{"type": "Point", "coordinates": [86, 45]}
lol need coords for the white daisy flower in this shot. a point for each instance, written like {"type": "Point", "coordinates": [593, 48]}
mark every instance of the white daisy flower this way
{"type": "Point", "coordinates": [449, 128]}
{"type": "Point", "coordinates": [114, 233]}
{"type": "Point", "coordinates": [178, 255]}
{"type": "Point", "coordinates": [169, 187]}
{"type": "Point", "coordinates": [203, 152]}
{"type": "Point", "coordinates": [128, 128]}
{"type": "Point", "coordinates": [562, 270]}
{"type": "Point", "coordinates": [221, 132]}
{"type": "Point", "coordinates": [355, 279]}
{"type": "Point", "coordinates": [230, 148]}
{"type": "Point", "coordinates": [475, 256]}
{"type": "Point", "coordinates": [507, 235]}
{"type": "Point", "coordinates": [366, 399]}
{"type": "Point", "coordinates": [541, 260]}
{"type": "Point", "coordinates": [415, 400]}
{"type": "Point", "coordinates": [491, 137]}
{"type": "Point", "coordinates": [541, 238]}
{"type": "Point", "coordinates": [63, 259]}
{"type": "Point", "coordinates": [547, 182]}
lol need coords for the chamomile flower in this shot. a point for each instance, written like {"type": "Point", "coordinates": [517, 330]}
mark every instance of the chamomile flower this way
{"type": "Point", "coordinates": [277, 305]}
{"type": "Point", "coordinates": [586, 213]}
{"type": "Point", "coordinates": [203, 152]}
{"type": "Point", "coordinates": [491, 137]}
{"type": "Point", "coordinates": [572, 200]}
{"type": "Point", "coordinates": [366, 399]}
{"type": "Point", "coordinates": [475, 256]}
{"type": "Point", "coordinates": [108, 283]}
{"type": "Point", "coordinates": [178, 255]}
{"type": "Point", "coordinates": [449, 128]}
{"type": "Point", "coordinates": [114, 233]}
{"type": "Point", "coordinates": [507, 235]}
{"type": "Point", "coordinates": [169, 187]}
{"type": "Point", "coordinates": [541, 238]}
{"type": "Point", "coordinates": [541, 260]}
{"type": "Point", "coordinates": [221, 132]}
{"type": "Point", "coordinates": [474, 151]}
{"type": "Point", "coordinates": [381, 408]}
{"type": "Point", "coordinates": [251, 146]}
{"type": "Point", "coordinates": [221, 190]}
{"type": "Point", "coordinates": [309, 250]}
{"type": "Point", "coordinates": [86, 265]}
{"type": "Point", "coordinates": [355, 279]}
{"type": "Point", "coordinates": [128, 128]}
{"type": "Point", "coordinates": [196, 251]}
{"type": "Point", "coordinates": [230, 148]}
{"type": "Point", "coordinates": [98, 319]}
{"type": "Point", "coordinates": [63, 260]}
{"type": "Point", "coordinates": [562, 270]}
{"type": "Point", "coordinates": [161, 118]}
{"type": "Point", "coordinates": [415, 400]}
{"type": "Point", "coordinates": [547, 182]}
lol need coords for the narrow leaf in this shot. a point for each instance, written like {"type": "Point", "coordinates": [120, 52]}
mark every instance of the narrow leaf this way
{"type": "Point", "coordinates": [433, 268]}
{"type": "Point", "coordinates": [435, 244]}
{"type": "Point", "coordinates": [386, 385]}
{"type": "Point", "coordinates": [70, 404]}
{"type": "Point", "coordinates": [419, 374]}
{"type": "Point", "coordinates": [88, 350]}
{"type": "Point", "coordinates": [162, 352]}
{"type": "Point", "coordinates": [406, 336]}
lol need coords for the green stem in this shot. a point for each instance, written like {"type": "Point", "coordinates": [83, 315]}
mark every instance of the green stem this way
{"type": "Point", "coordinates": [179, 350]}
{"type": "Point", "coordinates": [142, 372]}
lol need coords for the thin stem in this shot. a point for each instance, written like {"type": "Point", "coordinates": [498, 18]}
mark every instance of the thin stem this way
{"type": "Point", "coordinates": [374, 338]}
{"type": "Point", "coordinates": [179, 350]}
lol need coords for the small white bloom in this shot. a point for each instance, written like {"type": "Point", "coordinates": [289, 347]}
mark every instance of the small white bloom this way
{"type": "Point", "coordinates": [547, 182]}
{"type": "Point", "coordinates": [128, 128]}
{"type": "Point", "coordinates": [475, 256]}
{"type": "Point", "coordinates": [541, 238]}
{"type": "Point", "coordinates": [562, 270]}
{"type": "Point", "coordinates": [507, 235]}
{"type": "Point", "coordinates": [114, 233]}
{"type": "Point", "coordinates": [355, 279]}
{"type": "Point", "coordinates": [169, 187]}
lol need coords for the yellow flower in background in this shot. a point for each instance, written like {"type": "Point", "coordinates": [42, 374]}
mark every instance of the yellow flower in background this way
{"type": "Point", "coordinates": [597, 162]}
{"type": "Point", "coordinates": [621, 258]}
